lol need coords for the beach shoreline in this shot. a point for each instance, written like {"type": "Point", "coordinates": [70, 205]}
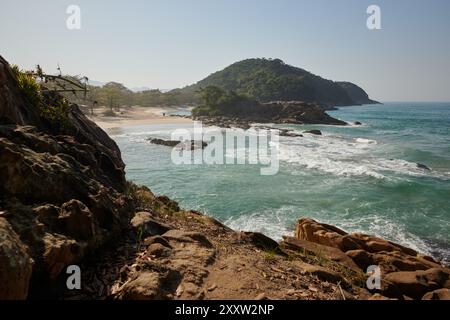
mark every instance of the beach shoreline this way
{"type": "Point", "coordinates": [136, 115]}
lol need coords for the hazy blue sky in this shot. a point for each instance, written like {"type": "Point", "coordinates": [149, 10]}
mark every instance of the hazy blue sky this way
{"type": "Point", "coordinates": [168, 43]}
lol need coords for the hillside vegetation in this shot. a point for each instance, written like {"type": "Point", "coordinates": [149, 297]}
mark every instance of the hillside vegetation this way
{"type": "Point", "coordinates": [273, 80]}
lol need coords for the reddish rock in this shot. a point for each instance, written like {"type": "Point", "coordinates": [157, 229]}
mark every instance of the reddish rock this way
{"type": "Point", "coordinates": [416, 284]}
{"type": "Point", "coordinates": [327, 252]}
{"type": "Point", "coordinates": [440, 294]}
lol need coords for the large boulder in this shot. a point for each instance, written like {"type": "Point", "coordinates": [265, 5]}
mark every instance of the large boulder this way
{"type": "Point", "coordinates": [316, 249]}
{"type": "Point", "coordinates": [440, 294]}
{"type": "Point", "coordinates": [391, 261]}
{"type": "Point", "coordinates": [365, 250]}
{"type": "Point", "coordinates": [416, 284]}
{"type": "Point", "coordinates": [332, 236]}
{"type": "Point", "coordinates": [404, 272]}
{"type": "Point", "coordinates": [15, 264]}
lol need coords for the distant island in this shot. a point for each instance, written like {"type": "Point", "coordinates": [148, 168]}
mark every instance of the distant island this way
{"type": "Point", "coordinates": [273, 80]}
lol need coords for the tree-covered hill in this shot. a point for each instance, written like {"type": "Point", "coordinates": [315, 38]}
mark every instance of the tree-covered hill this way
{"type": "Point", "coordinates": [273, 80]}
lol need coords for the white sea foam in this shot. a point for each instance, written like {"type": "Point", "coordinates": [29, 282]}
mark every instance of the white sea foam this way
{"type": "Point", "coordinates": [347, 157]}
{"type": "Point", "coordinates": [276, 223]}
{"type": "Point", "coordinates": [272, 222]}
{"type": "Point", "coordinates": [330, 154]}
{"type": "Point", "coordinates": [380, 226]}
{"type": "Point", "coordinates": [363, 140]}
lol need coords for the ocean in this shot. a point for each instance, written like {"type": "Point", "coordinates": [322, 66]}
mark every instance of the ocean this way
{"type": "Point", "coordinates": [359, 178]}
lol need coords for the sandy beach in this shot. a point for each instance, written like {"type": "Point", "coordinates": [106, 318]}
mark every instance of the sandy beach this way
{"type": "Point", "coordinates": [136, 115]}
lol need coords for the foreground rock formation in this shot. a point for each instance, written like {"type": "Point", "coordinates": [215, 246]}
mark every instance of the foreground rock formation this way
{"type": "Point", "coordinates": [64, 200]}
{"type": "Point", "coordinates": [405, 273]}
{"type": "Point", "coordinates": [170, 253]}
{"type": "Point", "coordinates": [62, 188]}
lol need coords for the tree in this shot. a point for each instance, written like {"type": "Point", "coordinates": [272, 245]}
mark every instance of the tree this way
{"type": "Point", "coordinates": [116, 95]}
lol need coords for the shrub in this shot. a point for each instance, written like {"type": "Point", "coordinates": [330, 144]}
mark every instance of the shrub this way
{"type": "Point", "coordinates": [28, 85]}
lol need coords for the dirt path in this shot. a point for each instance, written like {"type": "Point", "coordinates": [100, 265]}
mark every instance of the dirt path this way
{"type": "Point", "coordinates": [176, 254]}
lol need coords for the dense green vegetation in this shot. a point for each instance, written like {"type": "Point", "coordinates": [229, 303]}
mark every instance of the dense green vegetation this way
{"type": "Point", "coordinates": [114, 95]}
{"type": "Point", "coordinates": [357, 94]}
{"type": "Point", "coordinates": [273, 80]}
{"type": "Point", "coordinates": [216, 102]}
{"type": "Point", "coordinates": [51, 106]}
{"type": "Point", "coordinates": [28, 85]}
{"type": "Point", "coordinates": [261, 79]}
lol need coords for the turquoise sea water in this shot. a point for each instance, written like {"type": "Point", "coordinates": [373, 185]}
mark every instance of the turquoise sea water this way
{"type": "Point", "coordinates": [360, 178]}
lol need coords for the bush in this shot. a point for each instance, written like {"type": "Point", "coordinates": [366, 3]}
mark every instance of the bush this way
{"type": "Point", "coordinates": [51, 105]}
{"type": "Point", "coordinates": [28, 85]}
{"type": "Point", "coordinates": [217, 102]}
{"type": "Point", "coordinates": [55, 109]}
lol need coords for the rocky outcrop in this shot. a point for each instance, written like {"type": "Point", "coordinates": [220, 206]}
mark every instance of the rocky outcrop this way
{"type": "Point", "coordinates": [199, 258]}
{"type": "Point", "coordinates": [404, 271]}
{"type": "Point", "coordinates": [416, 284]}
{"type": "Point", "coordinates": [440, 294]}
{"type": "Point", "coordinates": [316, 249]}
{"type": "Point", "coordinates": [280, 112]}
{"type": "Point", "coordinates": [183, 145]}
{"type": "Point", "coordinates": [314, 132]}
{"type": "Point", "coordinates": [62, 187]}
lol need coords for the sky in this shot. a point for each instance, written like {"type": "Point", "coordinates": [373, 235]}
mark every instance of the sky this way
{"type": "Point", "coordinates": [168, 44]}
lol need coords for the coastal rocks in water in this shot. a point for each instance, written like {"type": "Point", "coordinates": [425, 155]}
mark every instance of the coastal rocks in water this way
{"type": "Point", "coordinates": [314, 132]}
{"type": "Point", "coordinates": [168, 143]}
{"type": "Point", "coordinates": [281, 132]}
{"type": "Point", "coordinates": [299, 112]}
{"type": "Point", "coordinates": [15, 264]}
{"type": "Point", "coordinates": [406, 272]}
{"type": "Point", "coordinates": [289, 133]}
{"type": "Point", "coordinates": [224, 122]}
{"type": "Point", "coordinates": [440, 294]}
{"type": "Point", "coordinates": [422, 166]}
{"type": "Point", "coordinates": [357, 123]}
{"type": "Point", "coordinates": [416, 284]}
{"type": "Point", "coordinates": [311, 230]}
{"type": "Point", "coordinates": [281, 112]}
{"type": "Point", "coordinates": [184, 145]}
{"type": "Point", "coordinates": [391, 261]}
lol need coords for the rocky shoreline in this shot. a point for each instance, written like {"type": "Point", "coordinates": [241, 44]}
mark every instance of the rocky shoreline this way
{"type": "Point", "coordinates": [279, 112]}
{"type": "Point", "coordinates": [64, 200]}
